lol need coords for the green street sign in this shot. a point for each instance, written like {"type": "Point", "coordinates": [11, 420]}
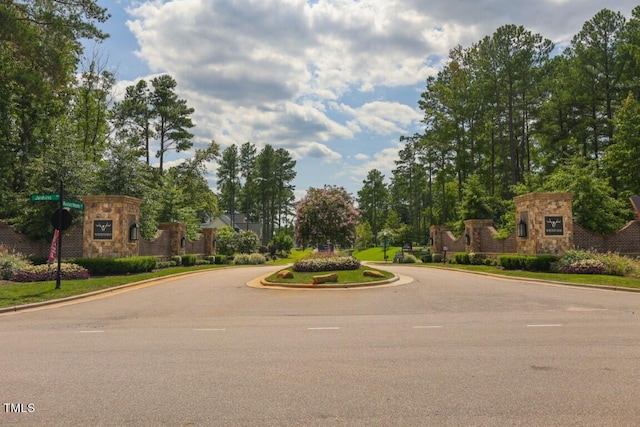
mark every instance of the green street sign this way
{"type": "Point", "coordinates": [44, 197]}
{"type": "Point", "coordinates": [74, 205]}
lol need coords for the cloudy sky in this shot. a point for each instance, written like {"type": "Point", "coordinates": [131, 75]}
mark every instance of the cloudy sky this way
{"type": "Point", "coordinates": [336, 82]}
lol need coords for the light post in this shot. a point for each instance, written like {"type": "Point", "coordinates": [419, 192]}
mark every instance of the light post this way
{"type": "Point", "coordinates": [385, 243]}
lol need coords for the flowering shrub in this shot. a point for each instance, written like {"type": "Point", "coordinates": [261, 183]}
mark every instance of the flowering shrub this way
{"type": "Point", "coordinates": [326, 263]}
{"type": "Point", "coordinates": [249, 259]}
{"type": "Point", "coordinates": [44, 272]}
{"type": "Point", "coordinates": [326, 215]}
{"type": "Point", "coordinates": [576, 261]}
{"type": "Point", "coordinates": [11, 263]}
{"type": "Point", "coordinates": [584, 266]}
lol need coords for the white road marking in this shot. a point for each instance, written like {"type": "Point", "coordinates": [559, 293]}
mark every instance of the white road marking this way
{"type": "Point", "coordinates": [209, 329]}
{"type": "Point", "coordinates": [330, 328]}
{"type": "Point", "coordinates": [90, 332]}
{"type": "Point", "coordinates": [556, 325]}
{"type": "Point", "coordinates": [428, 327]}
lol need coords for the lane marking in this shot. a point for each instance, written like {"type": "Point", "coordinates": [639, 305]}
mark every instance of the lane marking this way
{"type": "Point", "coordinates": [209, 329]}
{"type": "Point", "coordinates": [556, 325]}
{"type": "Point", "coordinates": [329, 328]}
{"type": "Point", "coordinates": [428, 327]}
{"type": "Point", "coordinates": [90, 332]}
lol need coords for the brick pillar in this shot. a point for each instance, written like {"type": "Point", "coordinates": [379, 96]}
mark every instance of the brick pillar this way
{"type": "Point", "coordinates": [473, 228]}
{"type": "Point", "coordinates": [549, 223]}
{"type": "Point", "coordinates": [436, 232]}
{"type": "Point", "coordinates": [177, 233]}
{"type": "Point", "coordinates": [209, 235]}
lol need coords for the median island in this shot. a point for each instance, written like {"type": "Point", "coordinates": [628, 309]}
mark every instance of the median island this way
{"type": "Point", "coordinates": [328, 270]}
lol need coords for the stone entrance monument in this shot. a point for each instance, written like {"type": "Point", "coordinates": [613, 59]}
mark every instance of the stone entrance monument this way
{"type": "Point", "coordinates": [544, 223]}
{"type": "Point", "coordinates": [110, 226]}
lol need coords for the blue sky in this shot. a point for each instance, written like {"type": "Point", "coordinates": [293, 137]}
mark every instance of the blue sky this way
{"type": "Point", "coordinates": [336, 82]}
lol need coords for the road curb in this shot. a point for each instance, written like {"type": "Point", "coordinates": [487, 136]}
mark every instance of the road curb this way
{"type": "Point", "coordinates": [142, 283]}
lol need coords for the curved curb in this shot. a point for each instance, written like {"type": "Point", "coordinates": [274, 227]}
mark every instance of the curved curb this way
{"type": "Point", "coordinates": [540, 281]}
{"type": "Point", "coordinates": [141, 284]}
{"type": "Point", "coordinates": [396, 280]}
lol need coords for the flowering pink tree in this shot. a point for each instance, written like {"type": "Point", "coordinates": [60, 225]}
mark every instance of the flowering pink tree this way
{"type": "Point", "coordinates": [326, 215]}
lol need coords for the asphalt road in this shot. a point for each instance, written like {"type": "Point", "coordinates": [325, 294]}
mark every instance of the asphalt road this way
{"type": "Point", "coordinates": [450, 348]}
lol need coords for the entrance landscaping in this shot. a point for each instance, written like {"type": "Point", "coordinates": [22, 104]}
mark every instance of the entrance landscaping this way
{"type": "Point", "coordinates": [344, 276]}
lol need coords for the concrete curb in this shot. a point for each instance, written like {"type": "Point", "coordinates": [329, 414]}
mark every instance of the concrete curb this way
{"type": "Point", "coordinates": [542, 281]}
{"type": "Point", "coordinates": [140, 284]}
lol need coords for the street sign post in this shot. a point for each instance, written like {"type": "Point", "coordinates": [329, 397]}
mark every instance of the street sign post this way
{"type": "Point", "coordinates": [73, 205]}
{"type": "Point", "coordinates": [45, 197]}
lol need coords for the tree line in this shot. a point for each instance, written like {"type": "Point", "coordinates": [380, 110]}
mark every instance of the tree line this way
{"type": "Point", "coordinates": [59, 121]}
{"type": "Point", "coordinates": [512, 114]}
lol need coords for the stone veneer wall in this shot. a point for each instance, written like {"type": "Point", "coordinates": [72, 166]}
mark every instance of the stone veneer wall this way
{"type": "Point", "coordinates": [123, 211]}
{"type": "Point", "coordinates": [532, 209]}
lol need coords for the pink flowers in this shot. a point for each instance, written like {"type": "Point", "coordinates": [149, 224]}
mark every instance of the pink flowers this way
{"type": "Point", "coordinates": [326, 215]}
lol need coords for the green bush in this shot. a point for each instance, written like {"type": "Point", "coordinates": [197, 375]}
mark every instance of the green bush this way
{"type": "Point", "coordinates": [116, 266]}
{"type": "Point", "coordinates": [527, 262]}
{"type": "Point", "coordinates": [219, 259]}
{"type": "Point", "coordinates": [477, 259]}
{"type": "Point", "coordinates": [408, 259]}
{"type": "Point", "coordinates": [165, 264]}
{"type": "Point", "coordinates": [11, 263]}
{"type": "Point", "coordinates": [437, 257]}
{"type": "Point", "coordinates": [189, 259]}
{"type": "Point", "coordinates": [461, 258]}
{"type": "Point", "coordinates": [249, 259]}
{"type": "Point", "coordinates": [45, 272]}
{"type": "Point", "coordinates": [610, 263]}
{"type": "Point", "coordinates": [203, 261]}
{"type": "Point", "coordinates": [427, 257]}
{"type": "Point", "coordinates": [328, 262]}
{"type": "Point", "coordinates": [177, 259]}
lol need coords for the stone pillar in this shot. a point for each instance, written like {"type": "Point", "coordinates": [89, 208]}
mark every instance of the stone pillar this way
{"type": "Point", "coordinates": [177, 234]}
{"type": "Point", "coordinates": [473, 229]}
{"type": "Point", "coordinates": [548, 218]}
{"type": "Point", "coordinates": [107, 225]}
{"type": "Point", "coordinates": [209, 235]}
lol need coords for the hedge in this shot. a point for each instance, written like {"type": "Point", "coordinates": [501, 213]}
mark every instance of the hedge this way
{"type": "Point", "coordinates": [527, 262]}
{"type": "Point", "coordinates": [115, 266]}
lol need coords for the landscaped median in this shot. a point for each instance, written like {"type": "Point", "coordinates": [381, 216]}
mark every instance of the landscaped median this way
{"type": "Point", "coordinates": [361, 277]}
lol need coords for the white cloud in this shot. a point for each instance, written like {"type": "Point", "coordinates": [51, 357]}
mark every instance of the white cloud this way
{"type": "Point", "coordinates": [307, 75]}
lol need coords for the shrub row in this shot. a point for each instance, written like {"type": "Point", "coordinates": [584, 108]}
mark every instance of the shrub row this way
{"type": "Point", "coordinates": [249, 259]}
{"type": "Point", "coordinates": [115, 266]}
{"type": "Point", "coordinates": [10, 264]}
{"type": "Point", "coordinates": [527, 262]}
{"type": "Point", "coordinates": [326, 263]}
{"type": "Point", "coordinates": [44, 272]}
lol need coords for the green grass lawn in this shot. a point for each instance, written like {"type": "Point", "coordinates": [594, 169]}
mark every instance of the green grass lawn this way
{"type": "Point", "coordinates": [294, 255]}
{"type": "Point", "coordinates": [376, 254]}
{"type": "Point", "coordinates": [13, 294]}
{"type": "Point", "coordinates": [344, 276]}
{"type": "Point", "coordinates": [581, 279]}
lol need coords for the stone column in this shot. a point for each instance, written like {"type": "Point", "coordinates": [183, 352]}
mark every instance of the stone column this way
{"type": "Point", "coordinates": [107, 225]}
{"type": "Point", "coordinates": [548, 218]}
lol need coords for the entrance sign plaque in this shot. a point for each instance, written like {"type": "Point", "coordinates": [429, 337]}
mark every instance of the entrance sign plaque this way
{"type": "Point", "coordinates": [553, 226]}
{"type": "Point", "coordinates": [103, 229]}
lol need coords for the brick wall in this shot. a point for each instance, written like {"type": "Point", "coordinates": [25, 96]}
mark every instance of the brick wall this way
{"type": "Point", "coordinates": [625, 241]}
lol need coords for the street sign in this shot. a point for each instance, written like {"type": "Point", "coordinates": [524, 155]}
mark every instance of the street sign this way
{"type": "Point", "coordinates": [44, 197]}
{"type": "Point", "coordinates": [74, 205]}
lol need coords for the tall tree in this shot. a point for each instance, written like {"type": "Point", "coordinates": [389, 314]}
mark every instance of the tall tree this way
{"type": "Point", "coordinates": [229, 180]}
{"type": "Point", "coordinates": [132, 118]}
{"type": "Point", "coordinates": [373, 201]}
{"type": "Point", "coordinates": [172, 115]}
